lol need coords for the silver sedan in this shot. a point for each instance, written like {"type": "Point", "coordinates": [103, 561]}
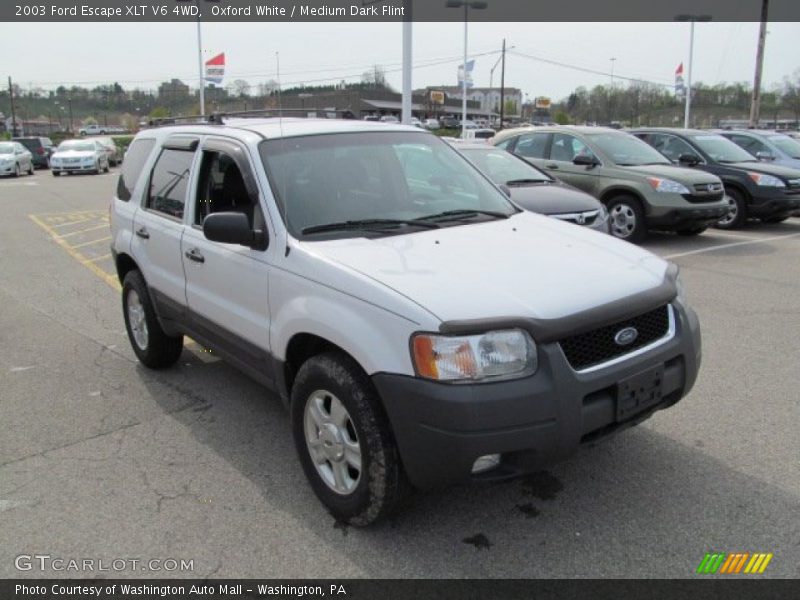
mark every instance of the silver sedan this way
{"type": "Point", "coordinates": [15, 159]}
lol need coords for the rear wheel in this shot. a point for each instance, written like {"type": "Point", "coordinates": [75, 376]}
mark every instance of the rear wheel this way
{"type": "Point", "coordinates": [153, 347]}
{"type": "Point", "coordinates": [343, 437]}
{"type": "Point", "coordinates": [626, 218]}
{"type": "Point", "coordinates": [737, 210]}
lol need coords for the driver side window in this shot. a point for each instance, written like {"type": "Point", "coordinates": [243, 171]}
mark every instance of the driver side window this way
{"type": "Point", "coordinates": [566, 148]}
{"type": "Point", "coordinates": [221, 188]}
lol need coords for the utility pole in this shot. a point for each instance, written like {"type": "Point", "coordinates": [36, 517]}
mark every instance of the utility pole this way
{"type": "Point", "coordinates": [503, 84]}
{"type": "Point", "coordinates": [755, 105]}
{"type": "Point", "coordinates": [692, 19]}
{"type": "Point", "coordinates": [406, 112]}
{"type": "Point", "coordinates": [13, 115]}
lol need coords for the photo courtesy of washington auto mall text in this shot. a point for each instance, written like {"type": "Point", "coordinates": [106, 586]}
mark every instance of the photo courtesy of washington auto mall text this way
{"type": "Point", "coordinates": [399, 299]}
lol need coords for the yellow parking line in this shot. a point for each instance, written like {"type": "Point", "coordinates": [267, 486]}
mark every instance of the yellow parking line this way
{"type": "Point", "coordinates": [109, 278]}
{"type": "Point", "coordinates": [105, 239]}
{"type": "Point", "coordinates": [98, 259]}
{"type": "Point", "coordinates": [71, 233]}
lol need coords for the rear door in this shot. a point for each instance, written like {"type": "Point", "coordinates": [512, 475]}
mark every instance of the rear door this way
{"type": "Point", "coordinates": [227, 284]}
{"type": "Point", "coordinates": [533, 147]}
{"type": "Point", "coordinates": [158, 227]}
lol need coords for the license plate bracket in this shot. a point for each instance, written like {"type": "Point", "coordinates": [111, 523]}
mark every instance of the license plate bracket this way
{"type": "Point", "coordinates": [639, 392]}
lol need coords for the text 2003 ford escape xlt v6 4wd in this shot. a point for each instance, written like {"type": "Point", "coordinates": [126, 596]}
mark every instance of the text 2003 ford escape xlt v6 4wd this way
{"type": "Point", "coordinates": [420, 328]}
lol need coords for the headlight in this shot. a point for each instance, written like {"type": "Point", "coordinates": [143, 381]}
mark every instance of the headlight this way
{"type": "Point", "coordinates": [667, 185]}
{"type": "Point", "coordinates": [766, 180]}
{"type": "Point", "coordinates": [681, 290]}
{"type": "Point", "coordinates": [496, 354]}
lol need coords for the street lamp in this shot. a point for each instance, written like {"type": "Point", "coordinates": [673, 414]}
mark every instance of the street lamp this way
{"type": "Point", "coordinates": [474, 4]}
{"type": "Point", "coordinates": [692, 19]}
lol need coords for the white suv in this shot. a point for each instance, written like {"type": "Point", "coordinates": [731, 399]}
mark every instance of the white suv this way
{"type": "Point", "coordinates": [420, 329]}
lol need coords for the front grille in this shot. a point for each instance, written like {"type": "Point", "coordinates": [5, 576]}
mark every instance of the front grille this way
{"type": "Point", "coordinates": [702, 198]}
{"type": "Point", "coordinates": [586, 218]}
{"type": "Point", "coordinates": [598, 346]}
{"type": "Point", "coordinates": [708, 188]}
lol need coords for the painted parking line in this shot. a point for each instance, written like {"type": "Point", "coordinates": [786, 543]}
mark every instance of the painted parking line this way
{"type": "Point", "coordinates": [90, 243]}
{"type": "Point", "coordinates": [80, 231]}
{"type": "Point", "coordinates": [732, 245]}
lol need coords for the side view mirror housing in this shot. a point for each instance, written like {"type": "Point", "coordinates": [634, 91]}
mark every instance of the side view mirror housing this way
{"type": "Point", "coordinates": [233, 228]}
{"type": "Point", "coordinates": [689, 159]}
{"type": "Point", "coordinates": [585, 160]}
{"type": "Point", "coordinates": [765, 155]}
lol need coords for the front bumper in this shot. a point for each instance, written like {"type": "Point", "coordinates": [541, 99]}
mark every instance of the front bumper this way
{"type": "Point", "coordinates": [441, 429]}
{"type": "Point", "coordinates": [696, 214]}
{"type": "Point", "coordinates": [73, 168]}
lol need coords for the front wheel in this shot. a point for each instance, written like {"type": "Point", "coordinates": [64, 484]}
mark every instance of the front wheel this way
{"type": "Point", "coordinates": [626, 219]}
{"type": "Point", "coordinates": [344, 441]}
{"type": "Point", "coordinates": [737, 210]}
{"type": "Point", "coordinates": [16, 170]}
{"type": "Point", "coordinates": [30, 169]}
{"type": "Point", "coordinates": [153, 347]}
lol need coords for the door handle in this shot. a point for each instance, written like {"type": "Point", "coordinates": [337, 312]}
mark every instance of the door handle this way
{"type": "Point", "coordinates": [194, 254]}
{"type": "Point", "coordinates": [551, 166]}
{"type": "Point", "coordinates": [142, 233]}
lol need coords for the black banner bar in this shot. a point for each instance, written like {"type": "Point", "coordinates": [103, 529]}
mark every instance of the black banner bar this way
{"type": "Point", "coordinates": [389, 10]}
{"type": "Point", "coordinates": [728, 588]}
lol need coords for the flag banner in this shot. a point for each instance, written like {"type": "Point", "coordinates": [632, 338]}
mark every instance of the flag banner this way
{"type": "Point", "coordinates": [215, 69]}
{"type": "Point", "coordinates": [679, 86]}
{"type": "Point", "coordinates": [470, 67]}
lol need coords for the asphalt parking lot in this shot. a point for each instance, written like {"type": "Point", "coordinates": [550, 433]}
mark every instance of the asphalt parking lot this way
{"type": "Point", "coordinates": [103, 459]}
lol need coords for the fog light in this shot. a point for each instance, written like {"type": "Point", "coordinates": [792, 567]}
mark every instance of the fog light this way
{"type": "Point", "coordinates": [486, 463]}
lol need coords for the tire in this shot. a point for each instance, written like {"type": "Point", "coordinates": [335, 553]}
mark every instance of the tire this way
{"type": "Point", "coordinates": [152, 346]}
{"type": "Point", "coordinates": [738, 210]}
{"type": "Point", "coordinates": [690, 231]}
{"type": "Point", "coordinates": [31, 169]}
{"type": "Point", "coordinates": [775, 219]}
{"type": "Point", "coordinates": [16, 170]}
{"type": "Point", "coordinates": [107, 169]}
{"type": "Point", "coordinates": [369, 487]}
{"type": "Point", "coordinates": [97, 168]}
{"type": "Point", "coordinates": [626, 219]}
{"type": "Point", "coordinates": [55, 173]}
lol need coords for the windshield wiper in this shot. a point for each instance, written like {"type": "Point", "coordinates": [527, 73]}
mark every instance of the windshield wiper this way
{"type": "Point", "coordinates": [526, 181]}
{"type": "Point", "coordinates": [366, 224]}
{"type": "Point", "coordinates": [462, 213]}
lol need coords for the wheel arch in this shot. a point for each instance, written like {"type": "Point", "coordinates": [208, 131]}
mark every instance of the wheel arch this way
{"type": "Point", "coordinates": [125, 264]}
{"type": "Point", "coordinates": [608, 195]}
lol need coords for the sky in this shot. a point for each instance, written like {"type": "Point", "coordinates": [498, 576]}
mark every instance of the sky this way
{"type": "Point", "coordinates": [142, 55]}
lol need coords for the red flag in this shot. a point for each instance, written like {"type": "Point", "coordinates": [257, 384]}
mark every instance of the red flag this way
{"type": "Point", "coordinates": [679, 70]}
{"type": "Point", "coordinates": [219, 59]}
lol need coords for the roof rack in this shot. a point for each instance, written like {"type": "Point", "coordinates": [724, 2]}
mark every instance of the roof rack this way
{"type": "Point", "coordinates": [218, 118]}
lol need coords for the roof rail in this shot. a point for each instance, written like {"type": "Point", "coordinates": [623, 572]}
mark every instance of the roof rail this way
{"type": "Point", "coordinates": [218, 118]}
{"type": "Point", "coordinates": [190, 120]}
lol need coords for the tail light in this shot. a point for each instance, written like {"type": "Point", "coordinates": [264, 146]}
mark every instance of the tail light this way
{"type": "Point", "coordinates": [40, 151]}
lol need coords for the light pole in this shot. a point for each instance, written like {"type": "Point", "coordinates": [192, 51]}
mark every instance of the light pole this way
{"type": "Point", "coordinates": [692, 19]}
{"type": "Point", "coordinates": [467, 5]}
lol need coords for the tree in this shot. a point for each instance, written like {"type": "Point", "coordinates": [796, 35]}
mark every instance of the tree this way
{"type": "Point", "coordinates": [159, 112]}
{"type": "Point", "coordinates": [239, 88]}
{"type": "Point", "coordinates": [561, 117]}
{"type": "Point", "coordinates": [375, 78]}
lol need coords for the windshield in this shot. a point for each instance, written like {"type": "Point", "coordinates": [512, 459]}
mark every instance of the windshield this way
{"type": "Point", "coordinates": [6, 148]}
{"type": "Point", "coordinates": [628, 151]}
{"type": "Point", "coordinates": [352, 177]}
{"type": "Point", "coordinates": [721, 149]}
{"type": "Point", "coordinates": [502, 167]}
{"type": "Point", "coordinates": [76, 146]}
{"type": "Point", "coordinates": [787, 144]}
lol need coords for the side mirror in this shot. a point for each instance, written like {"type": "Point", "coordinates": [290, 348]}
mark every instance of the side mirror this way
{"type": "Point", "coordinates": [763, 155]}
{"type": "Point", "coordinates": [689, 159]}
{"type": "Point", "coordinates": [584, 160]}
{"type": "Point", "coordinates": [233, 228]}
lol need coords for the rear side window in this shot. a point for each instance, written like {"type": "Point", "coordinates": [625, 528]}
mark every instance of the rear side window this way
{"type": "Point", "coordinates": [532, 145]}
{"type": "Point", "coordinates": [132, 167]}
{"type": "Point", "coordinates": [169, 181]}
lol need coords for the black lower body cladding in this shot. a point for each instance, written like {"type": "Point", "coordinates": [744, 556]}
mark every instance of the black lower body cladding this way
{"type": "Point", "coordinates": [682, 218]}
{"type": "Point", "coordinates": [771, 207]}
{"type": "Point", "coordinates": [441, 429]}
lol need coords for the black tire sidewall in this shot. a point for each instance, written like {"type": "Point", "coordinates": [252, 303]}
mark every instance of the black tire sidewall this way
{"type": "Point", "coordinates": [640, 230]}
{"type": "Point", "coordinates": [342, 377]}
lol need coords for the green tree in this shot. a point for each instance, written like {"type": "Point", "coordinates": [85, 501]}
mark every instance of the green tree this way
{"type": "Point", "coordinates": [561, 118]}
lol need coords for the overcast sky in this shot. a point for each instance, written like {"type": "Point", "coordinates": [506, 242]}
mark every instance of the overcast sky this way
{"type": "Point", "coordinates": [142, 55]}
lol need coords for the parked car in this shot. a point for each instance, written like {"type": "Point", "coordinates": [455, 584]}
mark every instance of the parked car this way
{"type": "Point", "coordinates": [416, 122]}
{"type": "Point", "coordinates": [771, 146]}
{"type": "Point", "coordinates": [431, 124]}
{"type": "Point", "coordinates": [15, 159]}
{"type": "Point", "coordinates": [451, 123]}
{"type": "Point", "coordinates": [371, 118]}
{"type": "Point", "coordinates": [41, 148]}
{"type": "Point", "coordinates": [535, 190]}
{"type": "Point", "coordinates": [95, 129]}
{"type": "Point", "coordinates": [641, 189]}
{"type": "Point", "coordinates": [79, 156]}
{"type": "Point", "coordinates": [399, 316]}
{"type": "Point", "coordinates": [754, 189]}
{"type": "Point", "coordinates": [389, 119]}
{"type": "Point", "coordinates": [479, 134]}
{"type": "Point", "coordinates": [112, 152]}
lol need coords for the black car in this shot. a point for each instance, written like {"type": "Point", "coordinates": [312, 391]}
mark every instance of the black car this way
{"type": "Point", "coordinates": [40, 147]}
{"type": "Point", "coordinates": [451, 123]}
{"type": "Point", "coordinates": [533, 189]}
{"type": "Point", "coordinates": [754, 189]}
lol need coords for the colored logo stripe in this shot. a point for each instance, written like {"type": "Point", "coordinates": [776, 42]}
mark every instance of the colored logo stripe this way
{"type": "Point", "coordinates": [734, 563]}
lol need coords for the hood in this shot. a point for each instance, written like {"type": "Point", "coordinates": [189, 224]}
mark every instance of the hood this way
{"type": "Point", "coordinates": [525, 266]}
{"type": "Point", "coordinates": [74, 154]}
{"type": "Point", "coordinates": [552, 199]}
{"type": "Point", "coordinates": [768, 169]}
{"type": "Point", "coordinates": [684, 175]}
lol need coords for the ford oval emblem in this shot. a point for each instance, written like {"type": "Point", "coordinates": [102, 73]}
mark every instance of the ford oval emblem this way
{"type": "Point", "coordinates": [626, 336]}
